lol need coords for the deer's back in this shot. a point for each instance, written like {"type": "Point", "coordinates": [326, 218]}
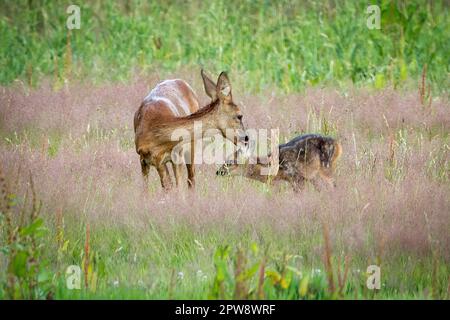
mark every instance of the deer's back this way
{"type": "Point", "coordinates": [169, 99]}
{"type": "Point", "coordinates": [301, 156]}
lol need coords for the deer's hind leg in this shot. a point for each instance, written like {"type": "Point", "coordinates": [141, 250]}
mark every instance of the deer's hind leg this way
{"type": "Point", "coordinates": [297, 183]}
{"type": "Point", "coordinates": [145, 168]}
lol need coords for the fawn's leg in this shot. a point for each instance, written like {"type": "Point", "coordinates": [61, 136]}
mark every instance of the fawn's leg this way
{"type": "Point", "coordinates": [298, 184]}
{"type": "Point", "coordinates": [326, 176]}
{"type": "Point", "coordinates": [313, 178]}
{"type": "Point", "coordinates": [316, 184]}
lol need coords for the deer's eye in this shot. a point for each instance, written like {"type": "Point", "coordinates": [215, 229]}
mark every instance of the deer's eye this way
{"type": "Point", "coordinates": [239, 117]}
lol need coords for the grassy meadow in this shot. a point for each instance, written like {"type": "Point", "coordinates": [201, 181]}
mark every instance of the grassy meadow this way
{"type": "Point", "coordinates": [70, 181]}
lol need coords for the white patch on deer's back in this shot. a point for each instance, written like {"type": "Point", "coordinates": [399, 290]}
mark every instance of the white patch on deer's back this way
{"type": "Point", "coordinates": [168, 91]}
{"type": "Point", "coordinates": [181, 102]}
{"type": "Point", "coordinates": [170, 104]}
{"type": "Point", "coordinates": [194, 95]}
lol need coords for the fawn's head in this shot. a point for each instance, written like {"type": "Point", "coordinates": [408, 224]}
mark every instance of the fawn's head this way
{"type": "Point", "coordinates": [256, 168]}
{"type": "Point", "coordinates": [232, 168]}
{"type": "Point", "coordinates": [229, 116]}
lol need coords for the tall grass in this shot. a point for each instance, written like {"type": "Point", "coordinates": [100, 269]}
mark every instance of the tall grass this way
{"type": "Point", "coordinates": [232, 238]}
{"type": "Point", "coordinates": [291, 44]}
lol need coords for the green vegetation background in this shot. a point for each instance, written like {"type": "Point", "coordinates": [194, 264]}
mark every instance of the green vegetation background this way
{"type": "Point", "coordinates": [287, 44]}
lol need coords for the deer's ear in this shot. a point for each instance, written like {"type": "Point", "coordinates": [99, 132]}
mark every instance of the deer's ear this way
{"type": "Point", "coordinates": [210, 86]}
{"type": "Point", "coordinates": [223, 88]}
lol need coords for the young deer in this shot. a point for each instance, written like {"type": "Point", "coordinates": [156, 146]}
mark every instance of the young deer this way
{"type": "Point", "coordinates": [303, 158]}
{"type": "Point", "coordinates": [172, 105]}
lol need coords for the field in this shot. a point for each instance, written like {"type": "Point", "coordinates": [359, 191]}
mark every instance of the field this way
{"type": "Point", "coordinates": [71, 186]}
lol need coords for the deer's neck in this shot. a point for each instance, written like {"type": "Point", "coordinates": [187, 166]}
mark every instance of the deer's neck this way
{"type": "Point", "coordinates": [170, 131]}
{"type": "Point", "coordinates": [191, 127]}
{"type": "Point", "coordinates": [253, 171]}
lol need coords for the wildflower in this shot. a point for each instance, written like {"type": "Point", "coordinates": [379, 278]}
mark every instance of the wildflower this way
{"type": "Point", "coordinates": [200, 246]}
{"type": "Point", "coordinates": [316, 272]}
{"type": "Point", "coordinates": [201, 275]}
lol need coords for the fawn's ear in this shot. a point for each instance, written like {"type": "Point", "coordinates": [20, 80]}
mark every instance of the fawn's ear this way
{"type": "Point", "coordinates": [223, 87]}
{"type": "Point", "coordinates": [210, 86]}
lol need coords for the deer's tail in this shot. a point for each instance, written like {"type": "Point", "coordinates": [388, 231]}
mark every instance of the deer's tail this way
{"type": "Point", "coordinates": [337, 152]}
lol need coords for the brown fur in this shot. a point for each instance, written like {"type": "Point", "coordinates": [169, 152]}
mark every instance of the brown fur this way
{"type": "Point", "coordinates": [303, 158]}
{"type": "Point", "coordinates": [160, 114]}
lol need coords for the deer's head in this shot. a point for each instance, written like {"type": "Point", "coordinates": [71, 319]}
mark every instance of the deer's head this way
{"type": "Point", "coordinates": [228, 118]}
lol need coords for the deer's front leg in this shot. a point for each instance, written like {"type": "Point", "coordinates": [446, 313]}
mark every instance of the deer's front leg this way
{"type": "Point", "coordinates": [191, 173]}
{"type": "Point", "coordinates": [190, 166]}
{"type": "Point", "coordinates": [298, 184]}
{"type": "Point", "coordinates": [177, 172]}
{"type": "Point", "coordinates": [164, 177]}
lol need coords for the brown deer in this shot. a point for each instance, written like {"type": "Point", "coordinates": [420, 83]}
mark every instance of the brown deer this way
{"type": "Point", "coordinates": [304, 158]}
{"type": "Point", "coordinates": [173, 105]}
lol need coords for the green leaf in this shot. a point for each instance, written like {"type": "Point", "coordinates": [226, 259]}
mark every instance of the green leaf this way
{"type": "Point", "coordinates": [65, 246]}
{"type": "Point", "coordinates": [380, 81]}
{"type": "Point", "coordinates": [254, 248]}
{"type": "Point", "coordinates": [251, 271]}
{"type": "Point", "coordinates": [19, 264]}
{"type": "Point", "coordinates": [44, 276]}
{"type": "Point", "coordinates": [403, 70]}
{"type": "Point", "coordinates": [303, 289]}
{"type": "Point", "coordinates": [31, 228]}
